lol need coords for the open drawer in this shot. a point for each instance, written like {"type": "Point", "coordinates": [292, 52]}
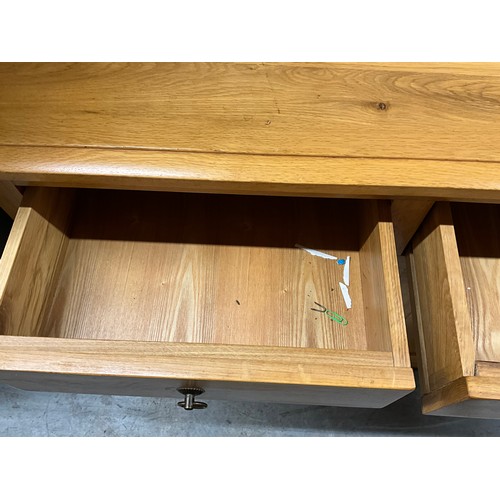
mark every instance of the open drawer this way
{"type": "Point", "coordinates": [146, 293]}
{"type": "Point", "coordinates": [455, 265]}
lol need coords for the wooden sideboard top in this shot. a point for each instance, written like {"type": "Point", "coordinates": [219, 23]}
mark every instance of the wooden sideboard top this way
{"type": "Point", "coordinates": [382, 130]}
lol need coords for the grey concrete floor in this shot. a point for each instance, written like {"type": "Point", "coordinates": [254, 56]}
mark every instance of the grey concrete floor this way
{"type": "Point", "coordinates": [25, 413]}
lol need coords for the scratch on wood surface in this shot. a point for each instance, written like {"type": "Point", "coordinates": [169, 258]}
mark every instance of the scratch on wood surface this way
{"type": "Point", "coordinates": [272, 92]}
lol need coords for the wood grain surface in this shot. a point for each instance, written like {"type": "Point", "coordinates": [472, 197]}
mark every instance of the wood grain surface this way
{"type": "Point", "coordinates": [381, 290]}
{"type": "Point", "coordinates": [438, 111]}
{"type": "Point", "coordinates": [295, 372]}
{"type": "Point", "coordinates": [478, 237]}
{"type": "Point", "coordinates": [10, 198]}
{"type": "Point", "coordinates": [250, 174]}
{"type": "Point", "coordinates": [205, 268]}
{"type": "Point", "coordinates": [392, 286]}
{"type": "Point", "coordinates": [407, 294]}
{"type": "Point", "coordinates": [487, 369]}
{"type": "Point", "coordinates": [407, 215]}
{"type": "Point", "coordinates": [313, 129]}
{"type": "Point", "coordinates": [31, 258]}
{"type": "Point", "coordinates": [471, 397]}
{"type": "Point", "coordinates": [443, 319]}
{"type": "Point", "coordinates": [456, 280]}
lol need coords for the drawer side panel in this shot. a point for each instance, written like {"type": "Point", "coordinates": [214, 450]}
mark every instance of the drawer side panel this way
{"type": "Point", "coordinates": [31, 259]}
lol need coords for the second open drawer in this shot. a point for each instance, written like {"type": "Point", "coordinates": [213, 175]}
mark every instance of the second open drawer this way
{"type": "Point", "coordinates": [455, 265]}
{"type": "Point", "coordinates": [145, 293]}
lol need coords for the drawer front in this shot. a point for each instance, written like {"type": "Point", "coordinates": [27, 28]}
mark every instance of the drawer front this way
{"type": "Point", "coordinates": [239, 295]}
{"type": "Point", "coordinates": [455, 265]}
{"type": "Point", "coordinates": [212, 390]}
{"type": "Point", "coordinates": [287, 375]}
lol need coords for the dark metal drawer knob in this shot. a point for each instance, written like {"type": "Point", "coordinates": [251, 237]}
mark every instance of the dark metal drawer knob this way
{"type": "Point", "coordinates": [189, 402]}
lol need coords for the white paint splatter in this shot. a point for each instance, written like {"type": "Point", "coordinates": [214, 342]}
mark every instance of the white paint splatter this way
{"type": "Point", "coordinates": [345, 294]}
{"type": "Point", "coordinates": [347, 270]}
{"type": "Point", "coordinates": [317, 253]}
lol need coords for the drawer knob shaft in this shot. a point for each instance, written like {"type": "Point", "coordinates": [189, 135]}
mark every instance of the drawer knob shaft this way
{"type": "Point", "coordinates": [189, 402]}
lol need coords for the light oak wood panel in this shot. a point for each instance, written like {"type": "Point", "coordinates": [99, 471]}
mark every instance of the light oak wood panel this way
{"type": "Point", "coordinates": [472, 397]}
{"type": "Point", "coordinates": [364, 110]}
{"type": "Point", "coordinates": [445, 332]}
{"type": "Point", "coordinates": [463, 68]}
{"type": "Point", "coordinates": [203, 268]}
{"type": "Point", "coordinates": [392, 288]}
{"type": "Point", "coordinates": [407, 215]}
{"type": "Point", "coordinates": [313, 376]}
{"type": "Point", "coordinates": [381, 290]}
{"type": "Point", "coordinates": [487, 369]}
{"type": "Point", "coordinates": [407, 293]}
{"type": "Point", "coordinates": [455, 274]}
{"type": "Point", "coordinates": [197, 361]}
{"type": "Point", "coordinates": [250, 174]}
{"type": "Point", "coordinates": [10, 198]}
{"type": "Point", "coordinates": [31, 258]}
{"type": "Point", "coordinates": [477, 228]}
